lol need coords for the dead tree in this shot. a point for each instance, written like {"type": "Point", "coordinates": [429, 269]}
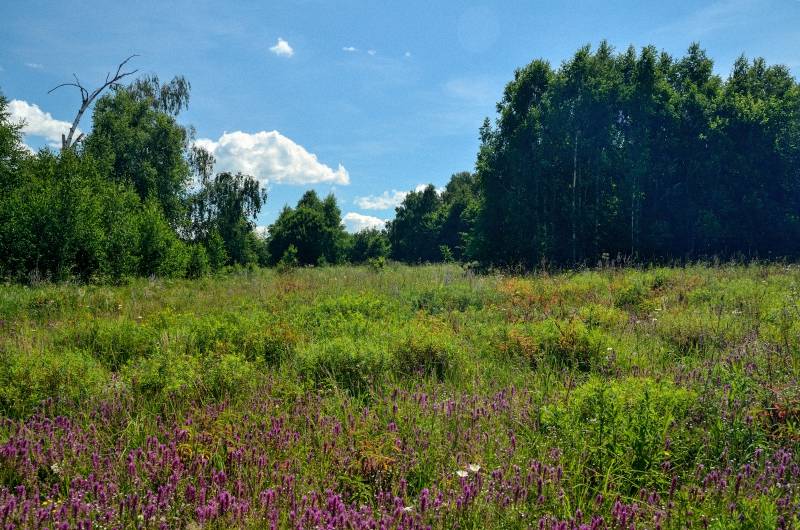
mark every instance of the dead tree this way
{"type": "Point", "coordinates": [88, 97]}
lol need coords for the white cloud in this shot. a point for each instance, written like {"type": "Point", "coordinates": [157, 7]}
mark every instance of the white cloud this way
{"type": "Point", "coordinates": [271, 157]}
{"type": "Point", "coordinates": [262, 230]}
{"type": "Point", "coordinates": [349, 49]}
{"type": "Point", "coordinates": [389, 199]}
{"type": "Point", "coordinates": [35, 66]}
{"type": "Point", "coordinates": [356, 222]}
{"type": "Point", "coordinates": [407, 54]}
{"type": "Point", "coordinates": [371, 52]}
{"type": "Point", "coordinates": [38, 122]}
{"type": "Point", "coordinates": [384, 201]}
{"type": "Point", "coordinates": [282, 49]}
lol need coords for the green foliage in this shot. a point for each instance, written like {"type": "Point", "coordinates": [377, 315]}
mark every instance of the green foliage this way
{"type": "Point", "coordinates": [199, 264]}
{"type": "Point", "coordinates": [626, 430]}
{"type": "Point", "coordinates": [425, 350]}
{"type": "Point", "coordinates": [137, 143]}
{"type": "Point", "coordinates": [314, 228]}
{"type": "Point", "coordinates": [649, 386]}
{"type": "Point", "coordinates": [289, 259]}
{"type": "Point", "coordinates": [582, 161]}
{"type": "Point", "coordinates": [162, 253]}
{"type": "Point", "coordinates": [430, 226]}
{"type": "Point", "coordinates": [353, 366]}
{"type": "Point", "coordinates": [66, 375]}
{"type": "Point", "coordinates": [112, 342]}
{"type": "Point", "coordinates": [222, 214]}
{"type": "Point", "coordinates": [561, 343]}
{"type": "Point", "coordinates": [367, 245]}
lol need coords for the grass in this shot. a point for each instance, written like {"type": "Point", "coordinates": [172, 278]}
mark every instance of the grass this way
{"type": "Point", "coordinates": [404, 397]}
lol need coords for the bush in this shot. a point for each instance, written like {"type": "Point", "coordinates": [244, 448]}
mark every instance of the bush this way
{"type": "Point", "coordinates": [456, 297]}
{"type": "Point", "coordinates": [567, 343]}
{"type": "Point", "coordinates": [354, 367]}
{"type": "Point", "coordinates": [623, 426]}
{"type": "Point", "coordinates": [28, 378]}
{"type": "Point", "coordinates": [254, 337]}
{"type": "Point", "coordinates": [112, 342]}
{"type": "Point", "coordinates": [164, 374]}
{"type": "Point", "coordinates": [199, 264]}
{"type": "Point", "coordinates": [162, 253]}
{"type": "Point", "coordinates": [426, 351]}
{"type": "Point", "coordinates": [227, 375]}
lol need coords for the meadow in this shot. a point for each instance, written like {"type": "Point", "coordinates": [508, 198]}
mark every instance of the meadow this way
{"type": "Point", "coordinates": [404, 397]}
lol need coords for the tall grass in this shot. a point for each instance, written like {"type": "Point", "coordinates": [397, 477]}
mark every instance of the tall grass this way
{"type": "Point", "coordinates": [405, 397]}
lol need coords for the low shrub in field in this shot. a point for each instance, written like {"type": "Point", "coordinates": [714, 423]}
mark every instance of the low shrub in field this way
{"type": "Point", "coordinates": [228, 375]}
{"type": "Point", "coordinates": [563, 343]}
{"type": "Point", "coordinates": [112, 342]}
{"type": "Point", "coordinates": [348, 314]}
{"type": "Point", "coordinates": [603, 316]}
{"type": "Point", "coordinates": [164, 374]}
{"type": "Point", "coordinates": [353, 366]}
{"type": "Point", "coordinates": [27, 378]}
{"type": "Point", "coordinates": [629, 431]}
{"type": "Point", "coordinates": [454, 297]}
{"type": "Point", "coordinates": [699, 330]}
{"type": "Point", "coordinates": [632, 297]}
{"type": "Point", "coordinates": [427, 349]}
{"type": "Point", "coordinates": [255, 337]}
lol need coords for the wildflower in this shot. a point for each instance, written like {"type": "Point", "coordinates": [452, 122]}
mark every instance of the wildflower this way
{"type": "Point", "coordinates": [461, 473]}
{"type": "Point", "coordinates": [408, 509]}
{"type": "Point", "coordinates": [474, 468]}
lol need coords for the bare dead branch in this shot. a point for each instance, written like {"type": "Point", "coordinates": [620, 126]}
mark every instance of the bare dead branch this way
{"type": "Point", "coordinates": [88, 97]}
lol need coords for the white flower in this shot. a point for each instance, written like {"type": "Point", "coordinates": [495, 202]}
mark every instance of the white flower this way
{"type": "Point", "coordinates": [408, 509]}
{"type": "Point", "coordinates": [461, 473]}
{"type": "Point", "coordinates": [474, 468]}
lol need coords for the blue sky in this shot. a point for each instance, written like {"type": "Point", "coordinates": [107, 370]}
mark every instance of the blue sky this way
{"type": "Point", "coordinates": [366, 99]}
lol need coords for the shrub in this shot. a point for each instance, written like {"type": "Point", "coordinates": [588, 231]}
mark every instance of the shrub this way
{"type": "Point", "coordinates": [112, 342]}
{"type": "Point", "coordinates": [631, 297]}
{"type": "Point", "coordinates": [623, 426]}
{"type": "Point", "coordinates": [254, 337]}
{"type": "Point", "coordinates": [28, 378]}
{"type": "Point", "coordinates": [227, 375]}
{"type": "Point", "coordinates": [455, 297]}
{"type": "Point", "coordinates": [566, 343]}
{"type": "Point", "coordinates": [354, 367]}
{"type": "Point", "coordinates": [423, 350]}
{"type": "Point", "coordinates": [199, 264]}
{"type": "Point", "coordinates": [163, 375]}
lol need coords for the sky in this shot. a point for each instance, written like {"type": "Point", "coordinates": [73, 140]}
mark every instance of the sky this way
{"type": "Point", "coordinates": [366, 100]}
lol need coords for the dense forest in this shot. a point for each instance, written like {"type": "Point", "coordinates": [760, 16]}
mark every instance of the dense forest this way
{"type": "Point", "coordinates": [633, 155]}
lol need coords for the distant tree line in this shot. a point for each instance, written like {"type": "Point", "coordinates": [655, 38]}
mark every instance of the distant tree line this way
{"type": "Point", "coordinates": [633, 154]}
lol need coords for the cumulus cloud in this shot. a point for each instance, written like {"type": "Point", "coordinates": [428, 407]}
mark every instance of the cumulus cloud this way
{"type": "Point", "coordinates": [388, 199]}
{"type": "Point", "coordinates": [271, 157]}
{"type": "Point", "coordinates": [282, 48]}
{"type": "Point", "coordinates": [35, 66]}
{"type": "Point", "coordinates": [38, 122]}
{"type": "Point", "coordinates": [350, 49]}
{"type": "Point", "coordinates": [371, 52]}
{"type": "Point", "coordinates": [356, 222]}
{"type": "Point", "coordinates": [262, 230]}
{"type": "Point", "coordinates": [384, 201]}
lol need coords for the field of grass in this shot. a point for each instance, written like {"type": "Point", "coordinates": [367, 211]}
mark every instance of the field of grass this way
{"type": "Point", "coordinates": [408, 397]}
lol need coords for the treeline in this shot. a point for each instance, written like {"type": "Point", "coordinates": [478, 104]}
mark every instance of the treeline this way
{"type": "Point", "coordinates": [635, 154]}
{"type": "Point", "coordinates": [136, 198]}
{"type": "Point", "coordinates": [640, 155]}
